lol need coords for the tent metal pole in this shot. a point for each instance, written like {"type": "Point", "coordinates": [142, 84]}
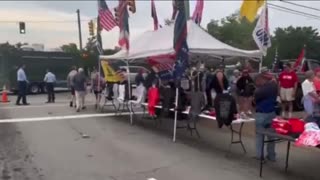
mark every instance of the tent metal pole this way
{"type": "Point", "coordinates": [129, 84]}
{"type": "Point", "coordinates": [175, 115]}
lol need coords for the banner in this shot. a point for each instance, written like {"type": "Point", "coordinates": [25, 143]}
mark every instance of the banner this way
{"type": "Point", "coordinates": [111, 74]}
{"type": "Point", "coordinates": [261, 34]}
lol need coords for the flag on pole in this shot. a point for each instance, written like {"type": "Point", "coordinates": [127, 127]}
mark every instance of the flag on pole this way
{"type": "Point", "coordinates": [154, 15]}
{"type": "Point", "coordinates": [123, 24]}
{"type": "Point", "coordinates": [197, 13]}
{"type": "Point", "coordinates": [106, 18]}
{"type": "Point", "coordinates": [261, 34]}
{"type": "Point", "coordinates": [249, 9]}
{"type": "Point", "coordinates": [174, 10]}
{"type": "Point", "coordinates": [180, 41]}
{"type": "Point", "coordinates": [298, 65]}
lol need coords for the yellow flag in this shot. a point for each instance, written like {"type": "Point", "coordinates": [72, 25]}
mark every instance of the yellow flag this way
{"type": "Point", "coordinates": [110, 74]}
{"type": "Point", "coordinates": [250, 8]}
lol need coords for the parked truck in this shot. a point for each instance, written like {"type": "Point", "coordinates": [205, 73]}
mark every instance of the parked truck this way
{"type": "Point", "coordinates": [37, 62]}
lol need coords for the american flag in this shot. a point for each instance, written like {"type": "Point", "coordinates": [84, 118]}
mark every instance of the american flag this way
{"type": "Point", "coordinates": [197, 14]}
{"type": "Point", "coordinates": [154, 15]}
{"type": "Point", "coordinates": [123, 24]}
{"type": "Point", "coordinates": [180, 41]}
{"type": "Point", "coordinates": [106, 18]}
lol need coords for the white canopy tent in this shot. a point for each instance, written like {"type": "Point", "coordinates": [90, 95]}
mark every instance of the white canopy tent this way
{"type": "Point", "coordinates": [153, 43]}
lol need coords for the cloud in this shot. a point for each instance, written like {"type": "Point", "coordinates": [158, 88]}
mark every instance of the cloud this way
{"type": "Point", "coordinates": [56, 34]}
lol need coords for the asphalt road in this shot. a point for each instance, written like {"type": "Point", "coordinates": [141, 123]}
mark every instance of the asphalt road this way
{"type": "Point", "coordinates": [109, 148]}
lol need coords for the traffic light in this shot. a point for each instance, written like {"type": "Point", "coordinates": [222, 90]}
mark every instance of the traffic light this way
{"type": "Point", "coordinates": [22, 27]}
{"type": "Point", "coordinates": [116, 15]}
{"type": "Point", "coordinates": [91, 28]}
{"type": "Point", "coordinates": [132, 5]}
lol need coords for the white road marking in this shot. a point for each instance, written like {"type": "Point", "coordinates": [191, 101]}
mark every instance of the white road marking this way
{"type": "Point", "coordinates": [36, 106]}
{"type": "Point", "coordinates": [50, 118]}
{"type": "Point", "coordinates": [151, 179]}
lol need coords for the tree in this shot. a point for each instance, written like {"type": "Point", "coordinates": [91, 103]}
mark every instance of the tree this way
{"type": "Point", "coordinates": [70, 48]}
{"type": "Point", "coordinates": [233, 31]}
{"type": "Point", "coordinates": [291, 40]}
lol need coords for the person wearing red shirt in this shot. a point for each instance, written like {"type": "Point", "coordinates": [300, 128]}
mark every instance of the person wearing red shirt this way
{"type": "Point", "coordinates": [288, 82]}
{"type": "Point", "coordinates": [316, 80]}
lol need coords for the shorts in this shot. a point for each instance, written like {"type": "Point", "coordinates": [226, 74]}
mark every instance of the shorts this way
{"type": "Point", "coordinates": [286, 94]}
{"type": "Point", "coordinates": [73, 92]}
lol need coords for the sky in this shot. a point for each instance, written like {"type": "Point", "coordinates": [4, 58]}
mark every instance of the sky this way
{"type": "Point", "coordinates": [54, 34]}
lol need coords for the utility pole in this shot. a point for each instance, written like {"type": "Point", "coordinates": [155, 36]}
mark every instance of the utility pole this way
{"type": "Point", "coordinates": [79, 28]}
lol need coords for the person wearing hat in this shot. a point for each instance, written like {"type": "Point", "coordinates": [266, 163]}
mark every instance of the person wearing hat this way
{"type": "Point", "coordinates": [288, 83]}
{"type": "Point", "coordinates": [265, 97]}
{"type": "Point", "coordinates": [245, 87]}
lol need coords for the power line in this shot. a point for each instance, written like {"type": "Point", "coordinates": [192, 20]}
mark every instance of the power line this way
{"type": "Point", "coordinates": [292, 10]}
{"type": "Point", "coordinates": [300, 5]}
{"type": "Point", "coordinates": [295, 13]}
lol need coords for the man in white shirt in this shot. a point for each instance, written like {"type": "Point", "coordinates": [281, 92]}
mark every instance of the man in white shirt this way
{"type": "Point", "coordinates": [22, 86]}
{"type": "Point", "coordinates": [310, 96]}
{"type": "Point", "coordinates": [50, 80]}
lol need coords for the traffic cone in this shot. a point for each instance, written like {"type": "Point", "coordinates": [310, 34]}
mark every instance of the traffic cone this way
{"type": "Point", "coordinates": [4, 98]}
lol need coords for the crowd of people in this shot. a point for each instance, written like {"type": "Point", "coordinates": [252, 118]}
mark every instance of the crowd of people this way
{"type": "Point", "coordinates": [204, 86]}
{"type": "Point", "coordinates": [77, 81]}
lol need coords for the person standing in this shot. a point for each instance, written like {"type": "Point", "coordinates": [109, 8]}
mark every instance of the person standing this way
{"type": "Point", "coordinates": [70, 77]}
{"type": "Point", "coordinates": [209, 80]}
{"type": "Point", "coordinates": [316, 80]}
{"type": "Point", "coordinates": [50, 80]}
{"type": "Point", "coordinates": [220, 82]}
{"type": "Point", "coordinates": [245, 88]}
{"type": "Point", "coordinates": [22, 86]}
{"type": "Point", "coordinates": [310, 95]}
{"type": "Point", "coordinates": [265, 98]}
{"type": "Point", "coordinates": [288, 82]}
{"type": "Point", "coordinates": [79, 84]}
{"type": "Point", "coordinates": [233, 83]}
{"type": "Point", "coordinates": [98, 85]}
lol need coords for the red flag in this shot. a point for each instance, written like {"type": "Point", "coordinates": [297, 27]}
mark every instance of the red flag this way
{"type": "Point", "coordinates": [154, 15]}
{"type": "Point", "coordinates": [123, 24]}
{"type": "Point", "coordinates": [197, 13]}
{"type": "Point", "coordinates": [300, 60]}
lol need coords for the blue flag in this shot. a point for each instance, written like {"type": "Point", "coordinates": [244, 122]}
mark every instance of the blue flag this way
{"type": "Point", "coordinates": [180, 41]}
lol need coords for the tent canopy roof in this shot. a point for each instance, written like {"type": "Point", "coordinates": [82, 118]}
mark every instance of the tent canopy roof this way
{"type": "Point", "coordinates": [153, 43]}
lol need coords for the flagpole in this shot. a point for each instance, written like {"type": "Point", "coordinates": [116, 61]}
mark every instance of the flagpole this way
{"type": "Point", "coordinates": [99, 40]}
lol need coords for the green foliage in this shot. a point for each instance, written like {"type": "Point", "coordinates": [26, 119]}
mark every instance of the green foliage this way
{"type": "Point", "coordinates": [289, 41]}
{"type": "Point", "coordinates": [233, 31]}
{"type": "Point", "coordinates": [70, 48]}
